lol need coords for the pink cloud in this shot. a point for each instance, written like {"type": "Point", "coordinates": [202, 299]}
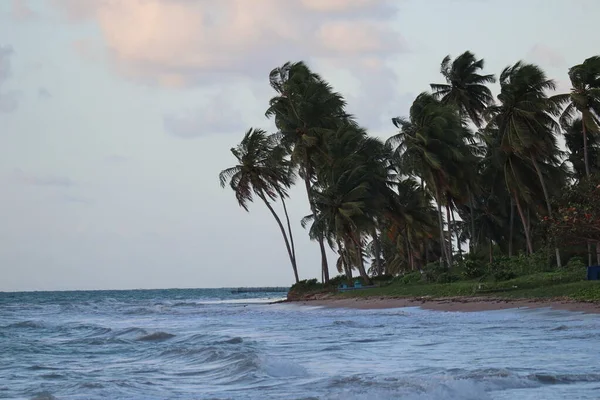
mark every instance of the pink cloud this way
{"type": "Point", "coordinates": [182, 42]}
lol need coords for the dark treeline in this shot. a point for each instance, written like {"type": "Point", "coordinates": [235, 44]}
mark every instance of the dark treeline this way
{"type": "Point", "coordinates": [464, 173]}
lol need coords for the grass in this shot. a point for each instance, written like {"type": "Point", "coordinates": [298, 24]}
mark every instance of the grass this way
{"type": "Point", "coordinates": [546, 285]}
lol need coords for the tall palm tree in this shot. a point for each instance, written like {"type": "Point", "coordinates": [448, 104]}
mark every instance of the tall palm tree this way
{"type": "Point", "coordinates": [262, 171]}
{"type": "Point", "coordinates": [342, 213]}
{"type": "Point", "coordinates": [583, 99]}
{"type": "Point", "coordinates": [526, 125]}
{"type": "Point", "coordinates": [578, 144]}
{"type": "Point", "coordinates": [430, 146]}
{"type": "Point", "coordinates": [465, 87]}
{"type": "Point", "coordinates": [305, 109]}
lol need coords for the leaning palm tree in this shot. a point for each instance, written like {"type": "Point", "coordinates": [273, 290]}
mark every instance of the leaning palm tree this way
{"type": "Point", "coordinates": [526, 125]}
{"type": "Point", "coordinates": [263, 171]}
{"type": "Point", "coordinates": [430, 146]}
{"type": "Point", "coordinates": [585, 100]}
{"type": "Point", "coordinates": [465, 87]}
{"type": "Point", "coordinates": [305, 109]}
{"type": "Point", "coordinates": [342, 212]}
{"type": "Point", "coordinates": [579, 145]}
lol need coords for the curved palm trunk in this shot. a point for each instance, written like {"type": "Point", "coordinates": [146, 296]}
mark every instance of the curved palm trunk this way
{"type": "Point", "coordinates": [377, 249]}
{"type": "Point", "coordinates": [441, 223]}
{"type": "Point", "coordinates": [450, 246]}
{"type": "Point", "coordinates": [361, 262]}
{"type": "Point", "coordinates": [457, 235]}
{"type": "Point", "coordinates": [346, 260]}
{"type": "Point", "coordinates": [511, 227]}
{"type": "Point", "coordinates": [285, 238]}
{"type": "Point", "coordinates": [289, 226]}
{"type": "Point", "coordinates": [324, 265]}
{"type": "Point", "coordinates": [473, 242]}
{"type": "Point", "coordinates": [524, 222]}
{"type": "Point", "coordinates": [585, 150]}
{"type": "Point", "coordinates": [547, 198]}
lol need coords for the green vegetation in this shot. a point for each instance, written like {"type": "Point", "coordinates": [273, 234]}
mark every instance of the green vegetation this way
{"type": "Point", "coordinates": [468, 192]}
{"type": "Point", "coordinates": [518, 277]}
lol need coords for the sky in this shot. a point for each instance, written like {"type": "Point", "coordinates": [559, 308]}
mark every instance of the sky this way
{"type": "Point", "coordinates": [116, 117]}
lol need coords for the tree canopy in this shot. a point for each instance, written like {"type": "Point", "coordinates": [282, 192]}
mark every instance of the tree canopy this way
{"type": "Point", "coordinates": [461, 168]}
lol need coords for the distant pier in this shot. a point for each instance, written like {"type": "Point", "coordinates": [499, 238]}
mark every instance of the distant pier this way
{"type": "Point", "coordinates": [260, 289]}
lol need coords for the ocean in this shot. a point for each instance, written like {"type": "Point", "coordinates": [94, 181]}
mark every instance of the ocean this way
{"type": "Point", "coordinates": [212, 344]}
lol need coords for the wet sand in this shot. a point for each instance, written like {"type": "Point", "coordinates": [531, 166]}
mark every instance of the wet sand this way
{"type": "Point", "coordinates": [463, 304]}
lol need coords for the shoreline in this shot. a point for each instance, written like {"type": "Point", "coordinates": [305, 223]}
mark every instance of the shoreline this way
{"type": "Point", "coordinates": [448, 304]}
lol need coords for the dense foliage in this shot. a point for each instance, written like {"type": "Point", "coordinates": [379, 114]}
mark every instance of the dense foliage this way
{"type": "Point", "coordinates": [462, 169]}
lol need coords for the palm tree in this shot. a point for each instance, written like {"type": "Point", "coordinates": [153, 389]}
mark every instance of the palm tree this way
{"type": "Point", "coordinates": [526, 125]}
{"type": "Point", "coordinates": [430, 145]}
{"type": "Point", "coordinates": [343, 212]}
{"type": "Point", "coordinates": [465, 87]}
{"type": "Point", "coordinates": [263, 171]}
{"type": "Point", "coordinates": [576, 144]}
{"type": "Point", "coordinates": [583, 99]}
{"type": "Point", "coordinates": [305, 109]}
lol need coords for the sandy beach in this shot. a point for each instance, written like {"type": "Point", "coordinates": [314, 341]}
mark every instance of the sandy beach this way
{"type": "Point", "coordinates": [463, 304]}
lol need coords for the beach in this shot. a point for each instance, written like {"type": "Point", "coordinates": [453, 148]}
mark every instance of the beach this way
{"type": "Point", "coordinates": [461, 304]}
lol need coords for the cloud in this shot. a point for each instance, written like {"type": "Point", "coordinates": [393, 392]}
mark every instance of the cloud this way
{"type": "Point", "coordinates": [21, 10]}
{"type": "Point", "coordinates": [217, 118]}
{"type": "Point", "coordinates": [43, 93]}
{"type": "Point", "coordinates": [233, 36]}
{"type": "Point", "coordinates": [216, 42]}
{"type": "Point", "coordinates": [547, 56]}
{"type": "Point", "coordinates": [46, 180]}
{"type": "Point", "coordinates": [8, 100]}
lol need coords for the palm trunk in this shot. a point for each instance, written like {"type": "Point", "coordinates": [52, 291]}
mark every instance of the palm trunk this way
{"type": "Point", "coordinates": [345, 261]}
{"type": "Point", "coordinates": [450, 246]}
{"type": "Point", "coordinates": [361, 262]}
{"type": "Point", "coordinates": [377, 249]}
{"type": "Point", "coordinates": [547, 198]}
{"type": "Point", "coordinates": [472, 242]}
{"type": "Point", "coordinates": [511, 227]}
{"type": "Point", "coordinates": [324, 265]}
{"type": "Point", "coordinates": [408, 253]}
{"type": "Point", "coordinates": [289, 226]}
{"type": "Point", "coordinates": [589, 250]}
{"type": "Point", "coordinates": [585, 150]}
{"type": "Point", "coordinates": [441, 223]}
{"type": "Point", "coordinates": [457, 235]}
{"type": "Point", "coordinates": [524, 222]}
{"type": "Point", "coordinates": [287, 243]}
{"type": "Point", "coordinates": [597, 253]}
{"type": "Point", "coordinates": [349, 259]}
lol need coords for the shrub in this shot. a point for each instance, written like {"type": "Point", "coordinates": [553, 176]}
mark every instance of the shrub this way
{"type": "Point", "coordinates": [472, 268]}
{"type": "Point", "coordinates": [446, 277]}
{"type": "Point", "coordinates": [576, 263]}
{"type": "Point", "coordinates": [410, 278]}
{"type": "Point", "coordinates": [432, 271]}
{"type": "Point", "coordinates": [502, 269]}
{"type": "Point", "coordinates": [338, 280]}
{"type": "Point", "coordinates": [306, 285]}
{"type": "Point", "coordinates": [382, 278]}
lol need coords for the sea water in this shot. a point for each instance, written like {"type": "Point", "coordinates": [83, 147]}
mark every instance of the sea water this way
{"type": "Point", "coordinates": [211, 344]}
